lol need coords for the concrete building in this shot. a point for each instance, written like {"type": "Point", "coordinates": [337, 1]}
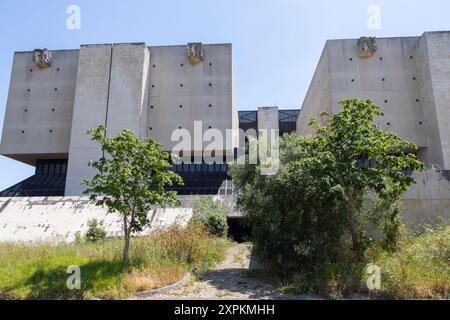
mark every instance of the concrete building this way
{"type": "Point", "coordinates": [56, 96]}
{"type": "Point", "coordinates": [408, 77]}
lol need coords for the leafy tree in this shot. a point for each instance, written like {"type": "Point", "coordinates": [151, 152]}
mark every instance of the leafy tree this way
{"type": "Point", "coordinates": [326, 188]}
{"type": "Point", "coordinates": [212, 215]}
{"type": "Point", "coordinates": [132, 176]}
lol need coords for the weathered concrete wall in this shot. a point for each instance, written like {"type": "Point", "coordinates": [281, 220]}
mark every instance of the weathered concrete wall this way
{"type": "Point", "coordinates": [128, 89]}
{"type": "Point", "coordinates": [57, 219]}
{"type": "Point", "coordinates": [435, 93]}
{"type": "Point", "coordinates": [38, 116]}
{"type": "Point", "coordinates": [409, 78]}
{"type": "Point", "coordinates": [428, 201]}
{"type": "Point", "coordinates": [318, 98]}
{"type": "Point", "coordinates": [90, 109]}
{"type": "Point", "coordinates": [181, 93]}
{"type": "Point", "coordinates": [150, 90]}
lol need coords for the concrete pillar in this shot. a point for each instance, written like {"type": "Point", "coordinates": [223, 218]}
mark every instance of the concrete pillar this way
{"type": "Point", "coordinates": [112, 89]}
{"type": "Point", "coordinates": [268, 118]}
{"type": "Point", "coordinates": [128, 89]}
{"type": "Point", "coordinates": [90, 108]}
{"type": "Point", "coordinates": [434, 69]}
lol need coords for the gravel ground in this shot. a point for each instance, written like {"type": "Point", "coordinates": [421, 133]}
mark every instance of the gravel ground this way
{"type": "Point", "coordinates": [230, 280]}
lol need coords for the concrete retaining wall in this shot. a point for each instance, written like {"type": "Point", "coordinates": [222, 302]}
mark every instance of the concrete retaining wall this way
{"type": "Point", "coordinates": [58, 219]}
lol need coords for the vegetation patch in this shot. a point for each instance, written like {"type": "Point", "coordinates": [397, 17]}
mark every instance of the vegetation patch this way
{"type": "Point", "coordinates": [418, 269]}
{"type": "Point", "coordinates": [39, 271]}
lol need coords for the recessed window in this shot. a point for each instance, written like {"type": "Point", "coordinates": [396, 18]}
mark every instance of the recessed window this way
{"type": "Point", "coordinates": [209, 127]}
{"type": "Point", "coordinates": [154, 66]}
{"type": "Point", "coordinates": [210, 84]}
{"type": "Point", "coordinates": [181, 85]}
{"type": "Point", "coordinates": [31, 70]}
{"type": "Point", "coordinates": [383, 79]}
{"type": "Point", "coordinates": [388, 123]}
{"type": "Point", "coordinates": [181, 106]}
{"type": "Point", "coordinates": [420, 122]}
{"type": "Point", "coordinates": [53, 109]}
{"type": "Point", "coordinates": [381, 58]}
{"type": "Point", "coordinates": [151, 128]}
{"type": "Point", "coordinates": [56, 89]}
{"type": "Point", "coordinates": [151, 107]}
{"type": "Point", "coordinates": [29, 90]}
{"type": "Point", "coordinates": [51, 131]}
{"type": "Point", "coordinates": [385, 101]}
{"type": "Point", "coordinates": [153, 85]}
{"type": "Point", "coordinates": [210, 63]}
{"type": "Point", "coordinates": [351, 59]}
{"type": "Point", "coordinates": [23, 131]}
{"type": "Point", "coordinates": [179, 127]}
{"type": "Point", "coordinates": [57, 69]}
{"type": "Point", "coordinates": [353, 80]}
{"type": "Point", "coordinates": [210, 105]}
{"type": "Point", "coordinates": [417, 100]}
{"type": "Point", "coordinates": [26, 110]}
{"type": "Point", "coordinates": [414, 78]}
{"type": "Point", "coordinates": [182, 65]}
{"type": "Point", "coordinates": [411, 57]}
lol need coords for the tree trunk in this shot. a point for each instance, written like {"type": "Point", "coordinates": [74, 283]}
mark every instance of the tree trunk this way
{"type": "Point", "coordinates": [352, 220]}
{"type": "Point", "coordinates": [127, 241]}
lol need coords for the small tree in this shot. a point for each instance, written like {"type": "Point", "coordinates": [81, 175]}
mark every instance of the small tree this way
{"type": "Point", "coordinates": [132, 176]}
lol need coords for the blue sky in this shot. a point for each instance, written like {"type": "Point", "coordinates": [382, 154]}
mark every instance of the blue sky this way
{"type": "Point", "coordinates": [276, 44]}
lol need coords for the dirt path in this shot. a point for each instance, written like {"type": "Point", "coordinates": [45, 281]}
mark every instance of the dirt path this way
{"type": "Point", "coordinates": [230, 280]}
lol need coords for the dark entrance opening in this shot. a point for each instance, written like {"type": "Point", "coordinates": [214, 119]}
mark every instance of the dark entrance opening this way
{"type": "Point", "coordinates": [237, 230]}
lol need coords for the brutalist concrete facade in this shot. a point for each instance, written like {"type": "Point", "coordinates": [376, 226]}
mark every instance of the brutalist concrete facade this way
{"type": "Point", "coordinates": [153, 91]}
{"type": "Point", "coordinates": [408, 77]}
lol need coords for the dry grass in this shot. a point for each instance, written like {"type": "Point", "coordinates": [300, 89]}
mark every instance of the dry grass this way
{"type": "Point", "coordinates": [38, 271]}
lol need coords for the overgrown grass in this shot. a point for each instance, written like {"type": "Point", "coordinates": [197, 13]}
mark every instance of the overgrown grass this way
{"type": "Point", "coordinates": [418, 269]}
{"type": "Point", "coordinates": [39, 271]}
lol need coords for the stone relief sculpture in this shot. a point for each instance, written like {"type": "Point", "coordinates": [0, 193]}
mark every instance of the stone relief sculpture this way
{"type": "Point", "coordinates": [42, 58]}
{"type": "Point", "coordinates": [367, 47]}
{"type": "Point", "coordinates": [195, 52]}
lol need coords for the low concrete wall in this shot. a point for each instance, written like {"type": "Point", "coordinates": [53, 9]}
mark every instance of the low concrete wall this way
{"type": "Point", "coordinates": [58, 219]}
{"type": "Point", "coordinates": [428, 201]}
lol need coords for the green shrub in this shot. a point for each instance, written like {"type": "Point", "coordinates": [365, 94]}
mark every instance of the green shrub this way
{"type": "Point", "coordinates": [212, 215]}
{"type": "Point", "coordinates": [96, 232]}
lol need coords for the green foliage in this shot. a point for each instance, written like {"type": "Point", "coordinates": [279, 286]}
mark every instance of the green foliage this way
{"type": "Point", "coordinates": [212, 215]}
{"type": "Point", "coordinates": [132, 176]}
{"type": "Point", "coordinates": [38, 271]}
{"type": "Point", "coordinates": [419, 269]}
{"type": "Point", "coordinates": [96, 232]}
{"type": "Point", "coordinates": [303, 216]}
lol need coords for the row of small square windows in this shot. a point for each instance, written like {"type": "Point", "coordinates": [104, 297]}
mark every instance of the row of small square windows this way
{"type": "Point", "coordinates": [26, 110]}
{"type": "Point", "coordinates": [420, 123]}
{"type": "Point", "coordinates": [383, 79]}
{"type": "Point", "coordinates": [51, 131]}
{"type": "Point", "coordinates": [181, 106]}
{"type": "Point", "coordinates": [381, 58]}
{"type": "Point", "coordinates": [29, 90]}
{"type": "Point", "coordinates": [151, 128]}
{"type": "Point", "coordinates": [57, 69]}
{"type": "Point", "coordinates": [182, 85]}
{"type": "Point", "coordinates": [182, 65]}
